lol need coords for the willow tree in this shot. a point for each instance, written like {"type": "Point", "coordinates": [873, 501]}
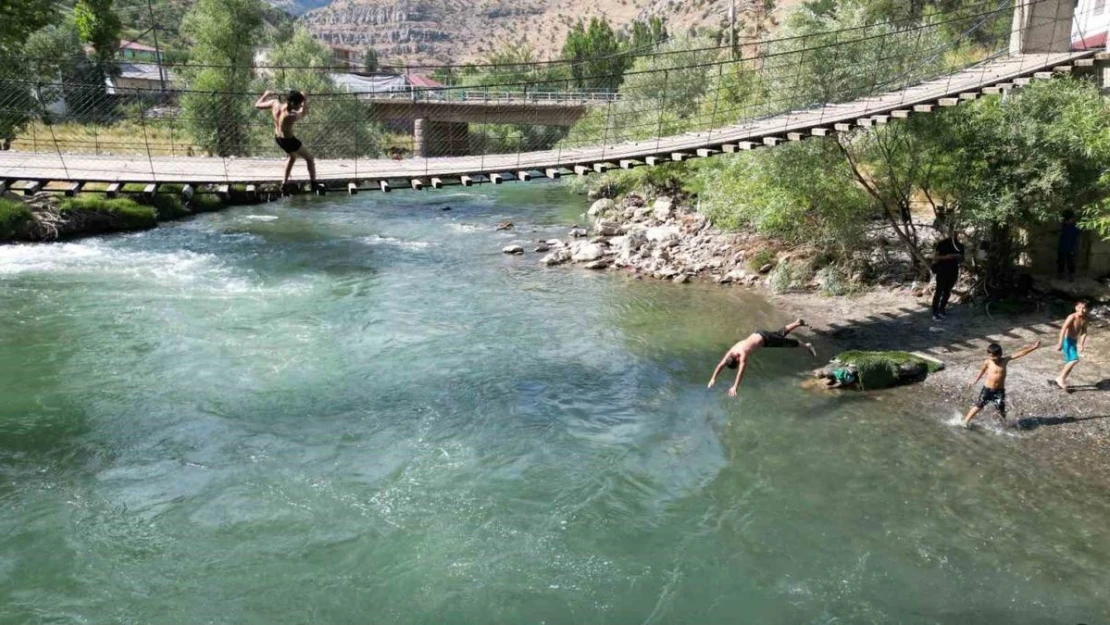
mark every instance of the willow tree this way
{"type": "Point", "coordinates": [17, 21]}
{"type": "Point", "coordinates": [217, 107]}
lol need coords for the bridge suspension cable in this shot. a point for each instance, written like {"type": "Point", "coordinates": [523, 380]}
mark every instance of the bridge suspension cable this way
{"type": "Point", "coordinates": [676, 104]}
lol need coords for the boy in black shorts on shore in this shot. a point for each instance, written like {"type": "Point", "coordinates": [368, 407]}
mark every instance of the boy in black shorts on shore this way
{"type": "Point", "coordinates": [994, 389]}
{"type": "Point", "coordinates": [285, 115]}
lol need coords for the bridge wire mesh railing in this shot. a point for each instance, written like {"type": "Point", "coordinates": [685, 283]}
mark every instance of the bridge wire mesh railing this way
{"type": "Point", "coordinates": [697, 91]}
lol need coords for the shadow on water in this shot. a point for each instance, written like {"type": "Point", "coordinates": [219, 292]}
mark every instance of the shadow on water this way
{"type": "Point", "coordinates": [1032, 423]}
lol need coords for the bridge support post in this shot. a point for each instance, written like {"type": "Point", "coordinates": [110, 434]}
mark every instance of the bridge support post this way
{"type": "Point", "coordinates": [1041, 26]}
{"type": "Point", "coordinates": [434, 138]}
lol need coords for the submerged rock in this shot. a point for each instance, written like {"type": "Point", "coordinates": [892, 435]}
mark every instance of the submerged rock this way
{"type": "Point", "coordinates": [558, 257]}
{"type": "Point", "coordinates": [586, 252]}
{"type": "Point", "coordinates": [512, 249]}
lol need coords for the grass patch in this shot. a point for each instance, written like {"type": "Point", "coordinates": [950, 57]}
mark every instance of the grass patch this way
{"type": "Point", "coordinates": [168, 205]}
{"type": "Point", "coordinates": [206, 202]}
{"type": "Point", "coordinates": [14, 215]}
{"type": "Point", "coordinates": [128, 213]}
{"type": "Point", "coordinates": [855, 356]}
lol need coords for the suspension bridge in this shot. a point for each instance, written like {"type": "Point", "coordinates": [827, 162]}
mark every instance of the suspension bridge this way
{"type": "Point", "coordinates": [909, 75]}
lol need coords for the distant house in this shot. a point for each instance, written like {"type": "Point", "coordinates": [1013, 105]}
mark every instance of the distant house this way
{"type": "Point", "coordinates": [135, 51]}
{"type": "Point", "coordinates": [344, 57]}
{"type": "Point", "coordinates": [139, 70]}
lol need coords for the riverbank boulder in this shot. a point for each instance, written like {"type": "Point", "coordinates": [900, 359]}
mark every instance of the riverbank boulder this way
{"type": "Point", "coordinates": [601, 208]}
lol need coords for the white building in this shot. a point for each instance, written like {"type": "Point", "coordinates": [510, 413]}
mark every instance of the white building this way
{"type": "Point", "coordinates": [1091, 23]}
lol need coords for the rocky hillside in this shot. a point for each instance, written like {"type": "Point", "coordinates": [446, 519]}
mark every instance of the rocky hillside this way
{"type": "Point", "coordinates": [454, 31]}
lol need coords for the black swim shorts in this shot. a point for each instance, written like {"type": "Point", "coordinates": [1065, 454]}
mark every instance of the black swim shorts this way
{"type": "Point", "coordinates": [992, 396]}
{"type": "Point", "coordinates": [289, 144]}
{"type": "Point", "coordinates": [776, 339]}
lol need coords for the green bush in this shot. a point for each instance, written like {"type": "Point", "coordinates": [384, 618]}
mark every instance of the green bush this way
{"type": "Point", "coordinates": [835, 281]}
{"type": "Point", "coordinates": [14, 215]}
{"type": "Point", "coordinates": [765, 256]}
{"type": "Point", "coordinates": [789, 276]}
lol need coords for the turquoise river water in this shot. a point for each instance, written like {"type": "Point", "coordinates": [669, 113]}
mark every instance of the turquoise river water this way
{"type": "Point", "coordinates": [357, 410]}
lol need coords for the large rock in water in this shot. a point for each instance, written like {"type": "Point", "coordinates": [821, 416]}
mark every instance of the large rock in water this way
{"type": "Point", "coordinates": [586, 252]}
{"type": "Point", "coordinates": [557, 257]}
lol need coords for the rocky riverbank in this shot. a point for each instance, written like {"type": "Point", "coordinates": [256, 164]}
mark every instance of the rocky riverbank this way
{"type": "Point", "coordinates": [662, 239]}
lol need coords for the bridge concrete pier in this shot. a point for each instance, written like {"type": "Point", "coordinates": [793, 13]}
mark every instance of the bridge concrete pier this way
{"type": "Point", "coordinates": [435, 138]}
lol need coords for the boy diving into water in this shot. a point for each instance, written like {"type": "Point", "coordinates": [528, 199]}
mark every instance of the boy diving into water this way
{"type": "Point", "coordinates": [737, 356]}
{"type": "Point", "coordinates": [994, 389]}
{"type": "Point", "coordinates": [285, 115]}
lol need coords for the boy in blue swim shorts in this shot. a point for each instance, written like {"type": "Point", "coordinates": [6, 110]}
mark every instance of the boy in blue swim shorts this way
{"type": "Point", "coordinates": [1073, 341]}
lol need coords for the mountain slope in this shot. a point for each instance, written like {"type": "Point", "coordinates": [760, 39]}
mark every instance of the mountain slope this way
{"type": "Point", "coordinates": [459, 31]}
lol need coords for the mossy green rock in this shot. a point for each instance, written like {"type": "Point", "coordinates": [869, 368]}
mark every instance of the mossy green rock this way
{"type": "Point", "coordinates": [886, 369]}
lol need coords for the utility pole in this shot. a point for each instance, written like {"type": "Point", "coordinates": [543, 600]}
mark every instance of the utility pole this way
{"type": "Point", "coordinates": [731, 29]}
{"type": "Point", "coordinates": [157, 49]}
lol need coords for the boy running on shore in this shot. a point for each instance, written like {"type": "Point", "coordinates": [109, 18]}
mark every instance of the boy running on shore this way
{"type": "Point", "coordinates": [994, 389]}
{"type": "Point", "coordinates": [285, 115]}
{"type": "Point", "coordinates": [1073, 342]}
{"type": "Point", "coordinates": [737, 356]}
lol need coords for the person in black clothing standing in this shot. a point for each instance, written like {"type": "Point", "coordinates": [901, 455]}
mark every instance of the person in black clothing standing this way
{"type": "Point", "coordinates": [946, 268]}
{"type": "Point", "coordinates": [1069, 241]}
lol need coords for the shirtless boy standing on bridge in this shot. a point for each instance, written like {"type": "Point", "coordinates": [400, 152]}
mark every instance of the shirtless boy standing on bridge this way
{"type": "Point", "coordinates": [285, 115]}
{"type": "Point", "coordinates": [737, 356]}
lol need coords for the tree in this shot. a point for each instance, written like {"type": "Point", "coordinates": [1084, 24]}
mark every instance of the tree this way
{"type": "Point", "coordinates": [647, 35]}
{"type": "Point", "coordinates": [217, 109]}
{"type": "Point", "coordinates": [370, 61]}
{"type": "Point", "coordinates": [595, 53]}
{"type": "Point", "coordinates": [98, 26]}
{"type": "Point", "coordinates": [993, 166]}
{"type": "Point", "coordinates": [803, 193]}
{"type": "Point", "coordinates": [337, 125]}
{"type": "Point", "coordinates": [62, 71]}
{"type": "Point", "coordinates": [17, 21]}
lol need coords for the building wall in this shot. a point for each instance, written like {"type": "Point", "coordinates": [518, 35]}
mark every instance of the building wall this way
{"type": "Point", "coordinates": [1092, 18]}
{"type": "Point", "coordinates": [1092, 259]}
{"type": "Point", "coordinates": [123, 83]}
